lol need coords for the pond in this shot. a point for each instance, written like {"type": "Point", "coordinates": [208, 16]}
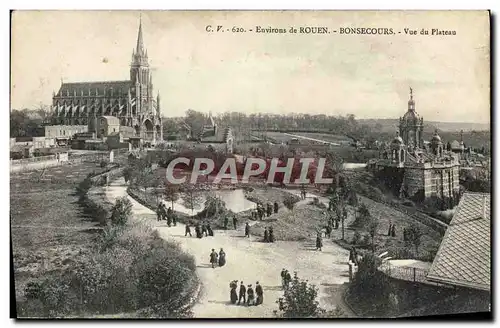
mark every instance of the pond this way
{"type": "Point", "coordinates": [234, 199]}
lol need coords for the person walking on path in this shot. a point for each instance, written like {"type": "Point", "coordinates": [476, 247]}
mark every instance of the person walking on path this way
{"type": "Point", "coordinates": [174, 219]}
{"type": "Point", "coordinates": [271, 235]}
{"type": "Point", "coordinates": [276, 208]}
{"type": "Point", "coordinates": [251, 296]}
{"type": "Point", "coordinates": [235, 222]}
{"type": "Point", "coordinates": [393, 231]}
{"type": "Point", "coordinates": [222, 258]}
{"type": "Point", "coordinates": [319, 242]}
{"type": "Point", "coordinates": [283, 277]}
{"type": "Point", "coordinates": [288, 279]}
{"type": "Point", "coordinates": [260, 293]}
{"type": "Point", "coordinates": [390, 229]}
{"type": "Point", "coordinates": [266, 235]}
{"type": "Point", "coordinates": [328, 231]}
{"type": "Point", "coordinates": [247, 230]}
{"type": "Point", "coordinates": [209, 230]}
{"type": "Point", "coordinates": [188, 230]}
{"type": "Point", "coordinates": [213, 258]}
{"type": "Point", "coordinates": [158, 212]}
{"type": "Point", "coordinates": [233, 296]}
{"type": "Point", "coordinates": [242, 294]}
{"type": "Point", "coordinates": [226, 222]}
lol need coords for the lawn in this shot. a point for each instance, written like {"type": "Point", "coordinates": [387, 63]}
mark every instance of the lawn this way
{"type": "Point", "coordinates": [48, 229]}
{"type": "Point", "coordinates": [386, 215]}
{"type": "Point", "coordinates": [299, 224]}
{"type": "Point", "coordinates": [337, 138]}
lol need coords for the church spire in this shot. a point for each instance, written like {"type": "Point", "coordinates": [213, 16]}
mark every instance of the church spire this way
{"type": "Point", "coordinates": [411, 102]}
{"type": "Point", "coordinates": [140, 42]}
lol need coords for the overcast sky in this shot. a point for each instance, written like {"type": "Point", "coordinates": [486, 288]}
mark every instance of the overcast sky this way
{"type": "Point", "coordinates": [368, 76]}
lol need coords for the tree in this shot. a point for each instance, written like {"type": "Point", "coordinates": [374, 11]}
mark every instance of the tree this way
{"type": "Point", "coordinates": [363, 216]}
{"type": "Point", "coordinates": [372, 229]}
{"type": "Point", "coordinates": [368, 281]}
{"type": "Point", "coordinates": [340, 208]}
{"type": "Point", "coordinates": [300, 300]}
{"type": "Point", "coordinates": [414, 235]}
{"type": "Point", "coordinates": [171, 193]}
{"type": "Point", "coordinates": [121, 211]}
{"type": "Point", "coordinates": [195, 120]}
{"type": "Point", "coordinates": [191, 196]}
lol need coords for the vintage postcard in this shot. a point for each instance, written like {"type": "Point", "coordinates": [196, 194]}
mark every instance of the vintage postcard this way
{"type": "Point", "coordinates": [250, 164]}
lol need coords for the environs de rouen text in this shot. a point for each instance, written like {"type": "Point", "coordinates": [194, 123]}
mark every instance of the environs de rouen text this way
{"type": "Point", "coordinates": [326, 30]}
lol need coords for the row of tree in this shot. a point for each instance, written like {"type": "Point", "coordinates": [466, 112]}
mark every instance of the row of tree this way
{"type": "Point", "coordinates": [243, 123]}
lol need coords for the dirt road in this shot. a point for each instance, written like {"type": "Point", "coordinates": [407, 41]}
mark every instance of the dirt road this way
{"type": "Point", "coordinates": [248, 260]}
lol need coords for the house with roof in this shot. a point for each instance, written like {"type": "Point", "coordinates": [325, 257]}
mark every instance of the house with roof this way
{"type": "Point", "coordinates": [463, 260]}
{"type": "Point", "coordinates": [215, 138]}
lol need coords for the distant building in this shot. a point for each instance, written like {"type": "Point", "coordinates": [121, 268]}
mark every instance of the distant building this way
{"type": "Point", "coordinates": [62, 134]}
{"type": "Point", "coordinates": [416, 170]}
{"type": "Point", "coordinates": [464, 256]}
{"type": "Point", "coordinates": [131, 102]}
{"type": "Point", "coordinates": [215, 138]}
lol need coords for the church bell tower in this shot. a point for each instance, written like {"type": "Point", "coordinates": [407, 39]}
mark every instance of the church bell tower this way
{"type": "Point", "coordinates": [140, 76]}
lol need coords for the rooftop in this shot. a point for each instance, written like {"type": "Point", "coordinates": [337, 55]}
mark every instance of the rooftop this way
{"type": "Point", "coordinates": [94, 88]}
{"type": "Point", "coordinates": [464, 256]}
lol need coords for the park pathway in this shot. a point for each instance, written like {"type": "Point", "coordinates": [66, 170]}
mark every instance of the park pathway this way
{"type": "Point", "coordinates": [248, 260]}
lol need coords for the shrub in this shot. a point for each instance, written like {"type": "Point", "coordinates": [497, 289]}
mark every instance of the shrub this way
{"type": "Point", "coordinates": [121, 211]}
{"type": "Point", "coordinates": [289, 202]}
{"type": "Point", "coordinates": [368, 280]}
{"type": "Point", "coordinates": [103, 164]}
{"type": "Point", "coordinates": [366, 240]}
{"type": "Point", "coordinates": [83, 187]}
{"type": "Point", "coordinates": [138, 270]}
{"type": "Point", "coordinates": [356, 239]}
{"type": "Point", "coordinates": [299, 300]}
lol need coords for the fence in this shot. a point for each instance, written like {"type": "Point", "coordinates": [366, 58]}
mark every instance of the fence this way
{"type": "Point", "coordinates": [405, 273]}
{"type": "Point", "coordinates": [32, 160]}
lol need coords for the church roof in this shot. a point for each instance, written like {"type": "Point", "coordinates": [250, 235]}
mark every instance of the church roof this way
{"type": "Point", "coordinates": [120, 88]}
{"type": "Point", "coordinates": [464, 256]}
{"type": "Point", "coordinates": [210, 121]}
{"type": "Point", "coordinates": [411, 115]}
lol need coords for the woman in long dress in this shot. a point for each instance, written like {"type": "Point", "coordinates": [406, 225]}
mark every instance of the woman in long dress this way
{"type": "Point", "coordinates": [222, 257]}
{"type": "Point", "coordinates": [233, 295]}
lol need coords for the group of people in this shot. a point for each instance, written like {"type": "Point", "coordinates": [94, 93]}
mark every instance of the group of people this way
{"type": "Point", "coordinates": [226, 222]}
{"type": "Point", "coordinates": [267, 210]}
{"type": "Point", "coordinates": [269, 235]}
{"type": "Point", "coordinates": [166, 214]}
{"type": "Point", "coordinates": [217, 259]}
{"type": "Point", "coordinates": [286, 278]}
{"type": "Point", "coordinates": [201, 230]}
{"type": "Point", "coordinates": [246, 294]}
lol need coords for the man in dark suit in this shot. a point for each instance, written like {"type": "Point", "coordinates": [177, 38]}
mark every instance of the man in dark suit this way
{"type": "Point", "coordinates": [243, 294]}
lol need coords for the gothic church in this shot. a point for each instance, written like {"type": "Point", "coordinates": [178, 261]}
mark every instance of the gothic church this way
{"type": "Point", "coordinates": [131, 101]}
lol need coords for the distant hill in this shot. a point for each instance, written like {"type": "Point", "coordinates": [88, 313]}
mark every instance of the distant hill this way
{"type": "Point", "coordinates": [390, 125]}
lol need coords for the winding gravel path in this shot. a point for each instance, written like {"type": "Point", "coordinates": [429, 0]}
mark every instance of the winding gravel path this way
{"type": "Point", "coordinates": [248, 260]}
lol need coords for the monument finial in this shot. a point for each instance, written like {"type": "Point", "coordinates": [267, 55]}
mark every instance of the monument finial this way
{"type": "Point", "coordinates": [411, 93]}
